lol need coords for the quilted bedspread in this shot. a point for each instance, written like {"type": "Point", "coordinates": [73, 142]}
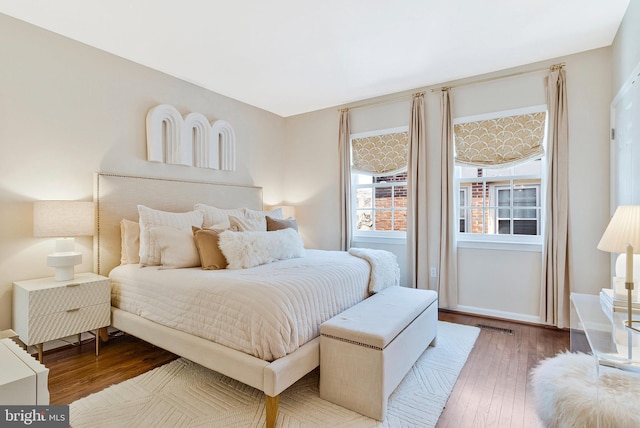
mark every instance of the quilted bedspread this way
{"type": "Point", "coordinates": [267, 311]}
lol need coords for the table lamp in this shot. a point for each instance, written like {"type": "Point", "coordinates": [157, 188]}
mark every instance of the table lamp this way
{"type": "Point", "coordinates": [623, 236]}
{"type": "Point", "coordinates": [63, 220]}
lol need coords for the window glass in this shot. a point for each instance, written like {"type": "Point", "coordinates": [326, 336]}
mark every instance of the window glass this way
{"type": "Point", "coordinates": [500, 201]}
{"type": "Point", "coordinates": [379, 199]}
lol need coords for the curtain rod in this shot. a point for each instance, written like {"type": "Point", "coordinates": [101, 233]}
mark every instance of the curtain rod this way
{"type": "Point", "coordinates": [385, 101]}
{"type": "Point", "coordinates": [473, 82]}
{"type": "Point", "coordinates": [504, 76]}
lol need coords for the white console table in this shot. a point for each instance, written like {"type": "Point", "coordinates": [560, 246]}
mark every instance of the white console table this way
{"type": "Point", "coordinates": [599, 329]}
{"type": "Point", "coordinates": [23, 380]}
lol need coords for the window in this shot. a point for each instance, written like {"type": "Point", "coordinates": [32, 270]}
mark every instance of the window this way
{"type": "Point", "coordinates": [499, 177]}
{"type": "Point", "coordinates": [379, 183]}
{"type": "Point", "coordinates": [463, 204]}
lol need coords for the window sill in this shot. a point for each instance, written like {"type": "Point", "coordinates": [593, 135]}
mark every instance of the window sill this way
{"type": "Point", "coordinates": [399, 239]}
{"type": "Point", "coordinates": [501, 245]}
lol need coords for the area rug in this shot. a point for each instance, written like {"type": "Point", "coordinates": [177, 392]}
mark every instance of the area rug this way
{"type": "Point", "coordinates": [185, 394]}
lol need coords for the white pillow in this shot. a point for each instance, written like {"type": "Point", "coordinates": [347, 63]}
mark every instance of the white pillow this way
{"type": "Point", "coordinates": [177, 247]}
{"type": "Point", "coordinates": [248, 249]}
{"type": "Point", "coordinates": [276, 213]}
{"type": "Point", "coordinates": [248, 224]}
{"type": "Point", "coordinates": [149, 250]}
{"type": "Point", "coordinates": [217, 217]}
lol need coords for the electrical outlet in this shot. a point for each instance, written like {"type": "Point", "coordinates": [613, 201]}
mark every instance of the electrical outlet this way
{"type": "Point", "coordinates": [434, 272]}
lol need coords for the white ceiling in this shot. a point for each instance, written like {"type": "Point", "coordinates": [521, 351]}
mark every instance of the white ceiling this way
{"type": "Point", "coordinates": [295, 56]}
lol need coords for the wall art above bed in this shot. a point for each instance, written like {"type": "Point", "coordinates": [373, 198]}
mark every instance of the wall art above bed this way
{"type": "Point", "coordinates": [191, 141]}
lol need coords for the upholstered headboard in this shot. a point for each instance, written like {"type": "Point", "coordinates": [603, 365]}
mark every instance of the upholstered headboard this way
{"type": "Point", "coordinates": [117, 197]}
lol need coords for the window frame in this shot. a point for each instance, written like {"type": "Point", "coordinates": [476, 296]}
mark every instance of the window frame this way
{"type": "Point", "coordinates": [497, 240]}
{"type": "Point", "coordinates": [375, 235]}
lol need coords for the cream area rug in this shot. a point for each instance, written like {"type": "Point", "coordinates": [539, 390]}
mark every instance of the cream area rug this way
{"type": "Point", "coordinates": [185, 394]}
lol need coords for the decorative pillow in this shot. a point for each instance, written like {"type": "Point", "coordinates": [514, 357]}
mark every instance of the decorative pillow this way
{"type": "Point", "coordinates": [278, 224]}
{"type": "Point", "coordinates": [276, 213]}
{"type": "Point", "coordinates": [149, 250]}
{"type": "Point", "coordinates": [248, 249]}
{"type": "Point", "coordinates": [247, 224]}
{"type": "Point", "coordinates": [129, 242]}
{"type": "Point", "coordinates": [177, 247]}
{"type": "Point", "coordinates": [218, 217]}
{"type": "Point", "coordinates": [211, 257]}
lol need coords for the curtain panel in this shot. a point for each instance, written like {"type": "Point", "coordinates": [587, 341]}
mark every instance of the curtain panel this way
{"type": "Point", "coordinates": [417, 210]}
{"type": "Point", "coordinates": [344, 153]}
{"type": "Point", "coordinates": [448, 278]}
{"type": "Point", "coordinates": [556, 266]}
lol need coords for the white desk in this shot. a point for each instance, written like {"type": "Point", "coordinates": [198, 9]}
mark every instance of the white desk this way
{"type": "Point", "coordinates": [23, 380]}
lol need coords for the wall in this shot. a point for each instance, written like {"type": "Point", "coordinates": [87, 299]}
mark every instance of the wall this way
{"type": "Point", "coordinates": [68, 110]}
{"type": "Point", "coordinates": [626, 46]}
{"type": "Point", "coordinates": [514, 292]}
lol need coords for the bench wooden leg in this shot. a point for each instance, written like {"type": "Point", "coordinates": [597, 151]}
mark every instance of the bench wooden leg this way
{"type": "Point", "coordinates": [272, 410]}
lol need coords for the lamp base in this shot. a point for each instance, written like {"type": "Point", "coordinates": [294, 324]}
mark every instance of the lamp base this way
{"type": "Point", "coordinates": [64, 263]}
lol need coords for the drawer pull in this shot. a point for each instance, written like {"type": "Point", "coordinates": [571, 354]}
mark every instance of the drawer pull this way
{"type": "Point", "coordinates": [73, 310]}
{"type": "Point", "coordinates": [74, 284]}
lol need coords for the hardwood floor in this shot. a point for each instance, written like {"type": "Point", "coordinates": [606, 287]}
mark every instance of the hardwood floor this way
{"type": "Point", "coordinates": [493, 387]}
{"type": "Point", "coordinates": [492, 390]}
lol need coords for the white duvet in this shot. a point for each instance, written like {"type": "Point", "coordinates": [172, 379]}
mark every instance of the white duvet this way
{"type": "Point", "coordinates": [266, 311]}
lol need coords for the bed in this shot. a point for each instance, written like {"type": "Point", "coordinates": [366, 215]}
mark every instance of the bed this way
{"type": "Point", "coordinates": [269, 368]}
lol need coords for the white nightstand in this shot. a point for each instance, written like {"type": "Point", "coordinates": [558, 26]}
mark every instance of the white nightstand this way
{"type": "Point", "coordinates": [45, 309]}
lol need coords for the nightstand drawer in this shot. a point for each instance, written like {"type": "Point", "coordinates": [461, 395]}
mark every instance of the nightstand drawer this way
{"type": "Point", "coordinates": [67, 323]}
{"type": "Point", "coordinates": [73, 295]}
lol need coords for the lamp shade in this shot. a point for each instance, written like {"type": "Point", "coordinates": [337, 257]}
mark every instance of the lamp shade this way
{"type": "Point", "coordinates": [623, 230]}
{"type": "Point", "coordinates": [63, 219]}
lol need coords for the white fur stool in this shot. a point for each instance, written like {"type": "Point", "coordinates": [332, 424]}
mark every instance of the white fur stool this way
{"type": "Point", "coordinates": [567, 393]}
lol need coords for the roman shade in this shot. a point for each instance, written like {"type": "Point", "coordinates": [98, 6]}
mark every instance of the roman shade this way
{"type": "Point", "coordinates": [380, 154]}
{"type": "Point", "coordinates": [500, 142]}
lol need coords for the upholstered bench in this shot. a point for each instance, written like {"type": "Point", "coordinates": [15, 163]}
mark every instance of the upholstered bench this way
{"type": "Point", "coordinates": [368, 349]}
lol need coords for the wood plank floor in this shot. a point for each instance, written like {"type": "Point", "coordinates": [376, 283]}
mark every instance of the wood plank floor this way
{"type": "Point", "coordinates": [493, 387]}
{"type": "Point", "coordinates": [492, 390]}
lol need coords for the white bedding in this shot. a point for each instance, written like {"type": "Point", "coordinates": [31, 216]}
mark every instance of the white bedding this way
{"type": "Point", "coordinates": [267, 311]}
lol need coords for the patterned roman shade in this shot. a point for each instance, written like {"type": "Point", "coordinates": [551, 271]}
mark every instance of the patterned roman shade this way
{"type": "Point", "coordinates": [380, 154]}
{"type": "Point", "coordinates": [500, 142]}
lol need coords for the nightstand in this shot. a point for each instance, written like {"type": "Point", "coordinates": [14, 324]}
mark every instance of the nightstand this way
{"type": "Point", "coordinates": [45, 309]}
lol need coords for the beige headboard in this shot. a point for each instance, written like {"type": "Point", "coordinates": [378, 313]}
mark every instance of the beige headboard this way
{"type": "Point", "coordinates": [117, 197]}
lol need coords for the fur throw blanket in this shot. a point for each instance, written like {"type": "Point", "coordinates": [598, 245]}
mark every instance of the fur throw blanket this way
{"type": "Point", "coordinates": [385, 271]}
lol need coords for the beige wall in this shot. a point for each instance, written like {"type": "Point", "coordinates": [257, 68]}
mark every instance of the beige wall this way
{"type": "Point", "coordinates": [313, 168]}
{"type": "Point", "coordinates": [626, 46]}
{"type": "Point", "coordinates": [68, 110]}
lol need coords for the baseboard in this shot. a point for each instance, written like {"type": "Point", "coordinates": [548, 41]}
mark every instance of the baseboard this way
{"type": "Point", "coordinates": [512, 316]}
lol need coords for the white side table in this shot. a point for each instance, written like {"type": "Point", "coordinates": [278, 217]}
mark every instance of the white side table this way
{"type": "Point", "coordinates": [23, 380]}
{"type": "Point", "coordinates": [45, 309]}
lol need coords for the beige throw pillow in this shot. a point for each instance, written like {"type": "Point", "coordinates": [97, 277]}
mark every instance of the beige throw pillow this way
{"type": "Point", "coordinates": [130, 242]}
{"type": "Point", "coordinates": [149, 250]}
{"type": "Point", "coordinates": [177, 247]}
{"type": "Point", "coordinates": [278, 224]}
{"type": "Point", "coordinates": [211, 257]}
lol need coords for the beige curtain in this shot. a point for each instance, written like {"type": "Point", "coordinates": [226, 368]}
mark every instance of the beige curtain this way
{"type": "Point", "coordinates": [417, 275]}
{"type": "Point", "coordinates": [448, 275]}
{"type": "Point", "coordinates": [555, 287]}
{"type": "Point", "coordinates": [345, 180]}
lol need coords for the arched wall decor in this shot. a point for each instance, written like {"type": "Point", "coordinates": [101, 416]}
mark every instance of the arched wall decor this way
{"type": "Point", "coordinates": [192, 141]}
